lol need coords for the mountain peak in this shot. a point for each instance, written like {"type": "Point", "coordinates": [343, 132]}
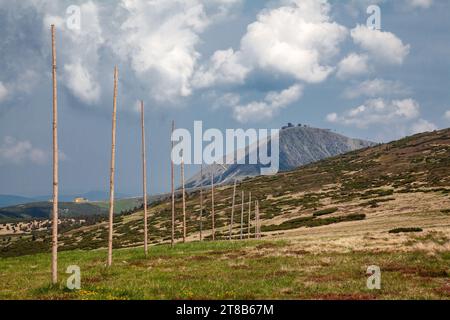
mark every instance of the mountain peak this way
{"type": "Point", "coordinates": [299, 145]}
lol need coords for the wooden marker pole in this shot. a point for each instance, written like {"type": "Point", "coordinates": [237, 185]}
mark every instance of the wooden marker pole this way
{"type": "Point", "coordinates": [201, 203]}
{"type": "Point", "coordinates": [232, 209]}
{"type": "Point", "coordinates": [256, 219]}
{"type": "Point", "coordinates": [242, 214]}
{"type": "Point", "coordinates": [55, 165]}
{"type": "Point", "coordinates": [249, 214]}
{"type": "Point", "coordinates": [184, 199]}
{"type": "Point", "coordinates": [113, 164]}
{"type": "Point", "coordinates": [144, 179]}
{"type": "Point", "coordinates": [212, 207]}
{"type": "Point", "coordinates": [172, 188]}
{"type": "Point", "coordinates": [258, 223]}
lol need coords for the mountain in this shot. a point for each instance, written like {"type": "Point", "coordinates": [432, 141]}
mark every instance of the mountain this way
{"type": "Point", "coordinates": [12, 200]}
{"type": "Point", "coordinates": [42, 210]}
{"type": "Point", "coordinates": [352, 202]}
{"type": "Point", "coordinates": [299, 146]}
{"type": "Point", "coordinates": [91, 196]}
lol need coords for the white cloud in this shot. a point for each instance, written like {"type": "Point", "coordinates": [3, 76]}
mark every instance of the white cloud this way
{"type": "Point", "coordinates": [420, 3]}
{"type": "Point", "coordinates": [223, 67]}
{"type": "Point", "coordinates": [377, 112]}
{"type": "Point", "coordinates": [226, 100]}
{"type": "Point", "coordinates": [3, 92]}
{"type": "Point", "coordinates": [383, 46]}
{"type": "Point", "coordinates": [447, 115]}
{"type": "Point", "coordinates": [297, 39]}
{"type": "Point", "coordinates": [375, 88]}
{"type": "Point", "coordinates": [80, 81]}
{"type": "Point", "coordinates": [80, 51]}
{"type": "Point", "coordinates": [353, 65]}
{"type": "Point", "coordinates": [13, 151]}
{"type": "Point", "coordinates": [262, 110]}
{"type": "Point", "coordinates": [422, 125]}
{"type": "Point", "coordinates": [159, 38]}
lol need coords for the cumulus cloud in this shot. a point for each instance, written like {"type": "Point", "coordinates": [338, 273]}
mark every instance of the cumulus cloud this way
{"type": "Point", "coordinates": [420, 3]}
{"type": "Point", "coordinates": [296, 39]}
{"type": "Point", "coordinates": [353, 65]}
{"type": "Point", "coordinates": [80, 51]}
{"type": "Point", "coordinates": [377, 112]}
{"type": "Point", "coordinates": [263, 110]}
{"type": "Point", "coordinates": [13, 151]}
{"type": "Point", "coordinates": [159, 38]}
{"type": "Point", "coordinates": [3, 92]}
{"type": "Point", "coordinates": [224, 67]}
{"type": "Point", "coordinates": [447, 115]}
{"type": "Point", "coordinates": [375, 88]}
{"type": "Point", "coordinates": [80, 81]}
{"type": "Point", "coordinates": [422, 126]}
{"type": "Point", "coordinates": [384, 47]}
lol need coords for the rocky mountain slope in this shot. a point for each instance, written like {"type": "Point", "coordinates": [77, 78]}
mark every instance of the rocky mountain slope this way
{"type": "Point", "coordinates": [348, 202]}
{"type": "Point", "coordinates": [298, 146]}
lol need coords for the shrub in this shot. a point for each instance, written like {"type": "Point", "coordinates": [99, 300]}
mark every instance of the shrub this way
{"type": "Point", "coordinates": [325, 212]}
{"type": "Point", "coordinates": [401, 230]}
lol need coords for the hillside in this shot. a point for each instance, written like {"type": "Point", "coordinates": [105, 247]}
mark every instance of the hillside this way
{"type": "Point", "coordinates": [12, 200]}
{"type": "Point", "coordinates": [42, 210]}
{"type": "Point", "coordinates": [299, 146]}
{"type": "Point", "coordinates": [323, 224]}
{"type": "Point", "coordinates": [401, 184]}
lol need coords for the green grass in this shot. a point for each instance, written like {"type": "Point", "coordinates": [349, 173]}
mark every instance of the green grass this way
{"type": "Point", "coordinates": [228, 270]}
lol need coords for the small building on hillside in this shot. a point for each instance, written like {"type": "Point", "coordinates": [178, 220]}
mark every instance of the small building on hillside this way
{"type": "Point", "coordinates": [80, 200]}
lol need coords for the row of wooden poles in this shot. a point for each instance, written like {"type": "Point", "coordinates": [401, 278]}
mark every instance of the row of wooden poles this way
{"type": "Point", "coordinates": [144, 183]}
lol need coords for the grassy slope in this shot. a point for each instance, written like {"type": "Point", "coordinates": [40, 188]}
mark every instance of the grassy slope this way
{"type": "Point", "coordinates": [372, 181]}
{"type": "Point", "coordinates": [229, 270]}
{"type": "Point", "coordinates": [401, 184]}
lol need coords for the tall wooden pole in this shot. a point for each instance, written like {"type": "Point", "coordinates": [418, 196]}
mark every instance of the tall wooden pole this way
{"type": "Point", "coordinates": [232, 209]}
{"type": "Point", "coordinates": [55, 165]}
{"type": "Point", "coordinates": [259, 222]}
{"type": "Point", "coordinates": [256, 220]}
{"type": "Point", "coordinates": [172, 187]}
{"type": "Point", "coordinates": [184, 199]}
{"type": "Point", "coordinates": [144, 179]}
{"type": "Point", "coordinates": [201, 202]}
{"type": "Point", "coordinates": [249, 214]}
{"type": "Point", "coordinates": [212, 207]}
{"type": "Point", "coordinates": [113, 164]}
{"type": "Point", "coordinates": [242, 214]}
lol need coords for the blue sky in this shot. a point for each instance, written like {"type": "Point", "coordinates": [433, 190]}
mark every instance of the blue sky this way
{"type": "Point", "coordinates": [230, 63]}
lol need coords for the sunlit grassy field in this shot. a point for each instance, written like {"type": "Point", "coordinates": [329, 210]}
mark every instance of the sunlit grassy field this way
{"type": "Point", "coordinates": [229, 270]}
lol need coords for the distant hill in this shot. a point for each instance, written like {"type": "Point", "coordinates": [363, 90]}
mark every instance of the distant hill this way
{"type": "Point", "coordinates": [350, 201]}
{"type": "Point", "coordinates": [298, 146]}
{"type": "Point", "coordinates": [12, 200]}
{"type": "Point", "coordinates": [44, 210]}
{"type": "Point", "coordinates": [91, 196]}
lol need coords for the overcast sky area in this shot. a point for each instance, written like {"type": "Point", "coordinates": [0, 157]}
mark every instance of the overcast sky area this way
{"type": "Point", "coordinates": [230, 63]}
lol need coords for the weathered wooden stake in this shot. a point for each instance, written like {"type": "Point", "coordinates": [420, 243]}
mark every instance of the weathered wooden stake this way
{"type": "Point", "coordinates": [55, 165]}
{"type": "Point", "coordinates": [232, 209]}
{"type": "Point", "coordinates": [212, 207]}
{"type": "Point", "coordinates": [249, 214]}
{"type": "Point", "coordinates": [201, 202]}
{"type": "Point", "coordinates": [144, 179]}
{"type": "Point", "coordinates": [184, 199]}
{"type": "Point", "coordinates": [172, 187]}
{"type": "Point", "coordinates": [256, 219]}
{"type": "Point", "coordinates": [242, 214]}
{"type": "Point", "coordinates": [113, 164]}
